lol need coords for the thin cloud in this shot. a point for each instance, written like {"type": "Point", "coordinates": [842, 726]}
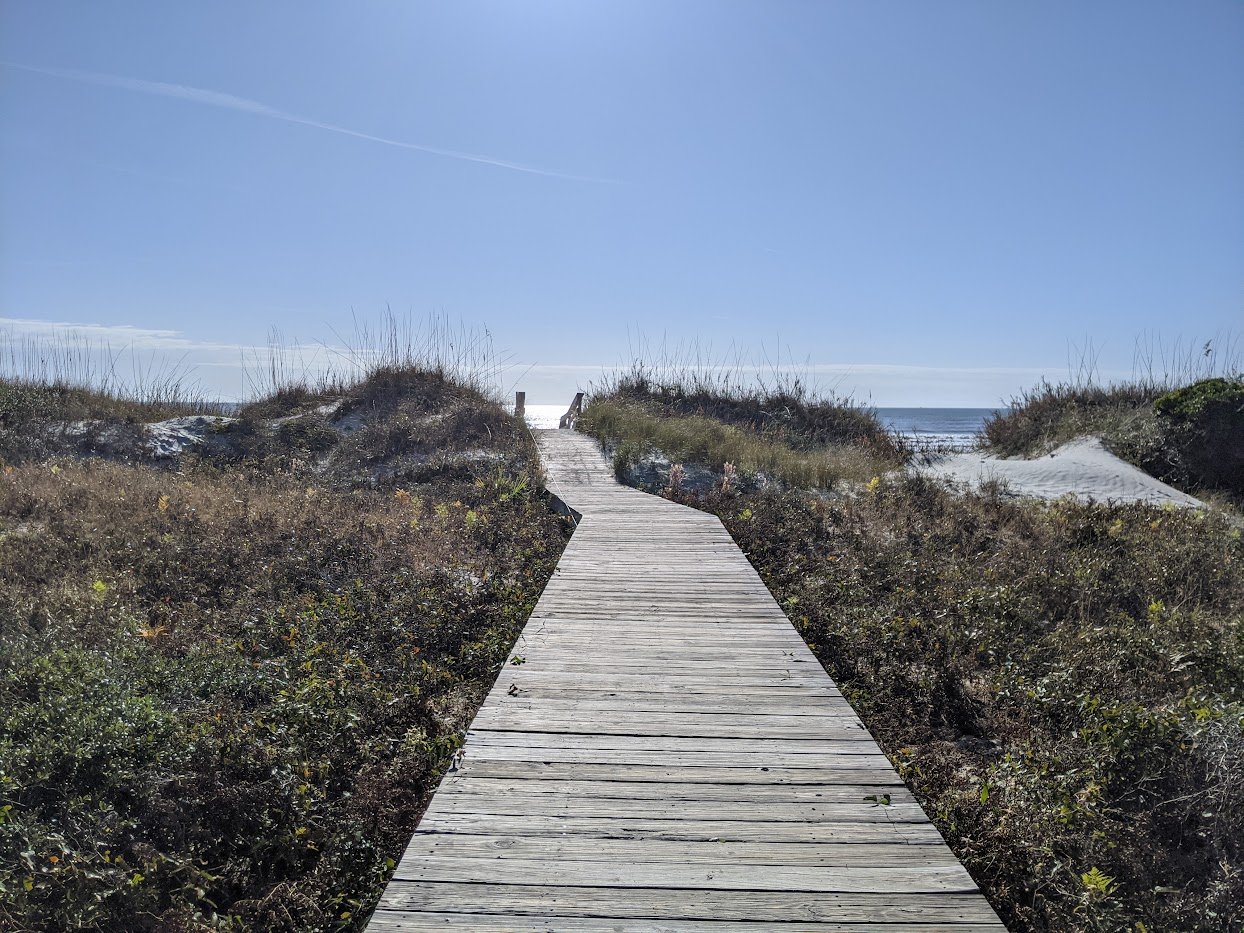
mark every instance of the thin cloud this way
{"type": "Point", "coordinates": [111, 337]}
{"type": "Point", "coordinates": [256, 108]}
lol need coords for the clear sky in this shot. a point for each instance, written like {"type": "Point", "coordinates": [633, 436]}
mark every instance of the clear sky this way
{"type": "Point", "coordinates": [927, 199]}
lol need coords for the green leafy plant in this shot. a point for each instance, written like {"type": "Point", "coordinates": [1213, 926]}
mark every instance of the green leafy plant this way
{"type": "Point", "coordinates": [1098, 882]}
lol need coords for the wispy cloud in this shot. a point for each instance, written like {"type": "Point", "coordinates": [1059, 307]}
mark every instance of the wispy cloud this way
{"type": "Point", "coordinates": [121, 337]}
{"type": "Point", "coordinates": [256, 108]}
{"type": "Point", "coordinates": [120, 333]}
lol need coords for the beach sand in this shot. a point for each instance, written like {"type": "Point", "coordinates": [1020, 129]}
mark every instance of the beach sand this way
{"type": "Point", "coordinates": [1082, 468]}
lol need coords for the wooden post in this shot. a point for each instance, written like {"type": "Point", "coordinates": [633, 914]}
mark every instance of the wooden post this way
{"type": "Point", "coordinates": [572, 414]}
{"type": "Point", "coordinates": [520, 404]}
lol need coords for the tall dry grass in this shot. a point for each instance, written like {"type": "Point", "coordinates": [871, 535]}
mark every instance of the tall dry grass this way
{"type": "Point", "coordinates": [460, 353]}
{"type": "Point", "coordinates": [74, 360]}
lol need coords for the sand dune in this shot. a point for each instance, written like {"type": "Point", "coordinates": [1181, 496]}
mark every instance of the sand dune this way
{"type": "Point", "coordinates": [1083, 468]}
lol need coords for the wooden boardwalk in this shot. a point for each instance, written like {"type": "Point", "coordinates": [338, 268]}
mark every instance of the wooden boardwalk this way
{"type": "Point", "coordinates": [665, 753]}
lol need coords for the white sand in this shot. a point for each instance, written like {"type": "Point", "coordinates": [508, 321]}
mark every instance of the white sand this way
{"type": "Point", "coordinates": [173, 437]}
{"type": "Point", "coordinates": [1082, 468]}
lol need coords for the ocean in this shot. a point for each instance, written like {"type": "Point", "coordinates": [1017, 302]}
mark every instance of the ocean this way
{"type": "Point", "coordinates": [951, 427]}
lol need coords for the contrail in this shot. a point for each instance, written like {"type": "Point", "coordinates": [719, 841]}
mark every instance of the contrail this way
{"type": "Point", "coordinates": [245, 105]}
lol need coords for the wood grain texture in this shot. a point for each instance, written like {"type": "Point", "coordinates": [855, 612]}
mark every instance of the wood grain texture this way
{"type": "Point", "coordinates": [664, 752]}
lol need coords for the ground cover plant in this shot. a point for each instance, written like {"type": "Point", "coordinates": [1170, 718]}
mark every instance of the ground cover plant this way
{"type": "Point", "coordinates": [228, 683]}
{"type": "Point", "coordinates": [1061, 684]}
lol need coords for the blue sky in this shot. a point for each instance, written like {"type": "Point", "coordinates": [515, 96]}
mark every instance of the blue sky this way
{"type": "Point", "coordinates": [925, 201]}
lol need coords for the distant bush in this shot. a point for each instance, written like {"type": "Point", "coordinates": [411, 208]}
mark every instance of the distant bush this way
{"type": "Point", "coordinates": [395, 426]}
{"type": "Point", "coordinates": [1042, 418]}
{"type": "Point", "coordinates": [34, 417]}
{"type": "Point", "coordinates": [788, 412]}
{"type": "Point", "coordinates": [785, 434]}
{"type": "Point", "coordinates": [636, 433]}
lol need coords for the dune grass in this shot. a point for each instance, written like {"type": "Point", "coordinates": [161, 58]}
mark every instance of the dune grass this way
{"type": "Point", "coordinates": [1048, 415]}
{"type": "Point", "coordinates": [398, 425]}
{"type": "Point", "coordinates": [287, 377]}
{"type": "Point", "coordinates": [781, 431]}
{"type": "Point", "coordinates": [779, 406]}
{"type": "Point", "coordinates": [635, 432]}
{"type": "Point", "coordinates": [79, 376]}
{"type": "Point", "coordinates": [228, 689]}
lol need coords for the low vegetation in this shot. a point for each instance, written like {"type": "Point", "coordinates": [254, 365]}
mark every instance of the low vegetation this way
{"type": "Point", "coordinates": [1061, 684]}
{"type": "Point", "coordinates": [40, 420]}
{"type": "Point", "coordinates": [229, 681]}
{"type": "Point", "coordinates": [783, 434]}
{"type": "Point", "coordinates": [1044, 417]}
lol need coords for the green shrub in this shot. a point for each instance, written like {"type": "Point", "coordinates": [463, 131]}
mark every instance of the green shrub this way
{"type": "Point", "coordinates": [1205, 433]}
{"type": "Point", "coordinates": [789, 413]}
{"type": "Point", "coordinates": [397, 426]}
{"type": "Point", "coordinates": [33, 417]}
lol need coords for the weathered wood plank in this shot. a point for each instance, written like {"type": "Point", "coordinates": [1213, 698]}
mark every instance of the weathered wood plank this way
{"type": "Point", "coordinates": [860, 879]}
{"type": "Point", "coordinates": [760, 811]}
{"type": "Point", "coordinates": [658, 851]}
{"type": "Point", "coordinates": [720, 828]}
{"type": "Point", "coordinates": [857, 744]}
{"type": "Point", "coordinates": [760, 702]}
{"type": "Point", "coordinates": [471, 783]}
{"type": "Point", "coordinates": [740, 756]}
{"type": "Point", "coordinates": [795, 907]}
{"type": "Point", "coordinates": [633, 774]}
{"type": "Point", "coordinates": [618, 726]}
{"type": "Point", "coordinates": [491, 923]}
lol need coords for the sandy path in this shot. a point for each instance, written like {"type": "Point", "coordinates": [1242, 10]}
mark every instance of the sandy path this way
{"type": "Point", "coordinates": [1083, 468]}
